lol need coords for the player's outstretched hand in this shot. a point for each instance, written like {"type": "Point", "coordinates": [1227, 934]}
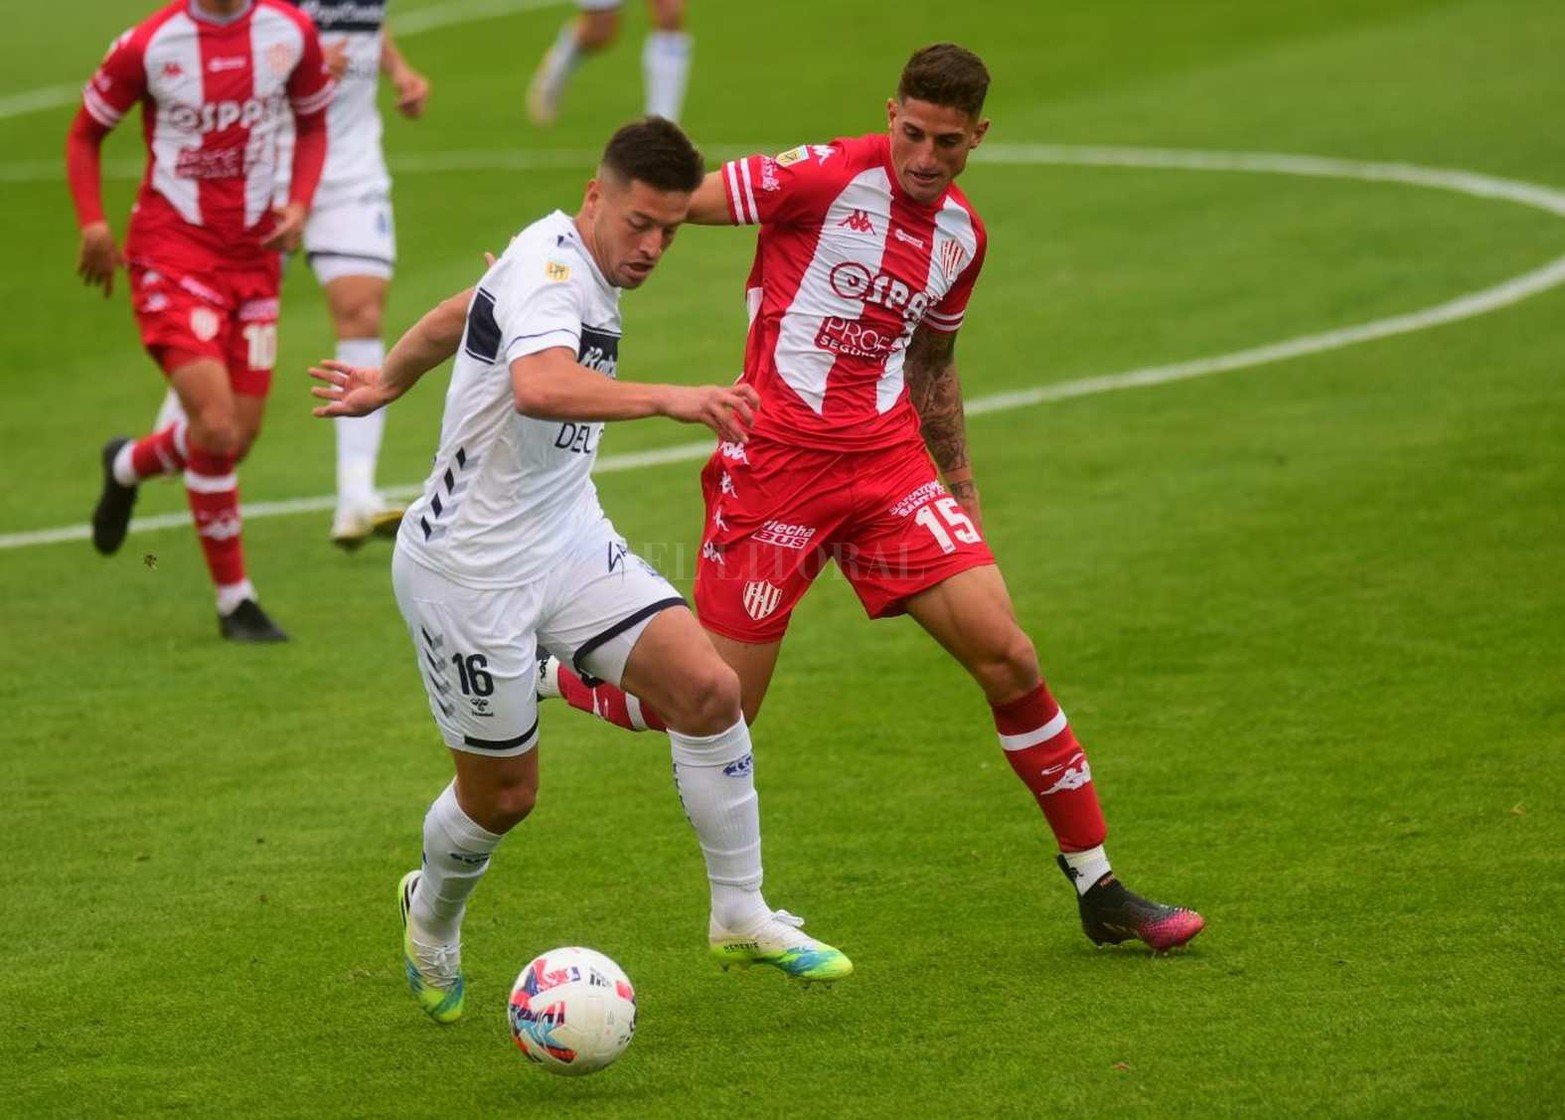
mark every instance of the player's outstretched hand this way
{"type": "Point", "coordinates": [412, 92]}
{"type": "Point", "coordinates": [728, 410]}
{"type": "Point", "coordinates": [285, 235]}
{"type": "Point", "coordinates": [99, 258]}
{"type": "Point", "coordinates": [348, 390]}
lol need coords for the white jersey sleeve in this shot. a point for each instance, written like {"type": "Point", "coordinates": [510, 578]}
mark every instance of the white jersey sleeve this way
{"type": "Point", "coordinates": [539, 309]}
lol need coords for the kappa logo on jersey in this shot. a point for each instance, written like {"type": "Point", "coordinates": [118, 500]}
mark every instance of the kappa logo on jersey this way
{"type": "Point", "coordinates": [952, 255]}
{"type": "Point", "coordinates": [204, 323]}
{"type": "Point", "coordinates": [858, 222]}
{"type": "Point", "coordinates": [556, 273]}
{"type": "Point", "coordinates": [170, 71]}
{"type": "Point", "coordinates": [783, 535]}
{"type": "Point", "coordinates": [733, 452]}
{"type": "Point", "coordinates": [769, 180]}
{"type": "Point", "coordinates": [280, 59]}
{"type": "Point", "coordinates": [710, 551]}
{"type": "Point", "coordinates": [761, 598]}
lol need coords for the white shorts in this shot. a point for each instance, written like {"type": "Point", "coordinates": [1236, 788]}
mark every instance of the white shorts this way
{"type": "Point", "coordinates": [351, 236]}
{"type": "Point", "coordinates": [478, 648]}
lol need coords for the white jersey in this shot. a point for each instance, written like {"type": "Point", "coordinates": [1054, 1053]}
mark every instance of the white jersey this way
{"type": "Point", "coordinates": [508, 493]}
{"type": "Point", "coordinates": [355, 163]}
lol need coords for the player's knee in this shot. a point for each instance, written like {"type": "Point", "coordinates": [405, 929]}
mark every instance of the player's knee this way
{"type": "Point", "coordinates": [668, 15]}
{"type": "Point", "coordinates": [218, 431]}
{"type": "Point", "coordinates": [708, 700]}
{"type": "Point", "coordinates": [509, 805]}
{"type": "Point", "coordinates": [597, 30]}
{"type": "Point", "coordinates": [1010, 668]}
{"type": "Point", "coordinates": [359, 319]}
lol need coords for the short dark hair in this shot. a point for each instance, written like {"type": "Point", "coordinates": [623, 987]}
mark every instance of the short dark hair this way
{"type": "Point", "coordinates": [656, 152]}
{"type": "Point", "coordinates": [946, 74]}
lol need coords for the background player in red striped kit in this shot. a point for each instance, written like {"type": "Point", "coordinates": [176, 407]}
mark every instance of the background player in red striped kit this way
{"type": "Point", "coordinates": [866, 258]}
{"type": "Point", "coordinates": [214, 79]}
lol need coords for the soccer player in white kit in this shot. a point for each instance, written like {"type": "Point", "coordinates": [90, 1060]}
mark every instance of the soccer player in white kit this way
{"type": "Point", "coordinates": [665, 57]}
{"type": "Point", "coordinates": [350, 238]}
{"type": "Point", "coordinates": [507, 554]}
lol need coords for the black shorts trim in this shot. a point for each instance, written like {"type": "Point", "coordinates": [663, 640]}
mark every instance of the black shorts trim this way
{"type": "Point", "coordinates": [621, 626]}
{"type": "Point", "coordinates": [502, 744]}
{"type": "Point", "coordinates": [387, 261]}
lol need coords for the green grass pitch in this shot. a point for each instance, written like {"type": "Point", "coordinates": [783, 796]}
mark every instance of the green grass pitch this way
{"type": "Point", "coordinates": [1307, 616]}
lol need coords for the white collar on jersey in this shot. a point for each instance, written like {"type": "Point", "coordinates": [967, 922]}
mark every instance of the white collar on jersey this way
{"type": "Point", "coordinates": [198, 13]}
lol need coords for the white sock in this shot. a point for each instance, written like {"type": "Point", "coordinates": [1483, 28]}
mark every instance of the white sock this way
{"type": "Point", "coordinates": [230, 595]}
{"type": "Point", "coordinates": [124, 472]}
{"type": "Point", "coordinates": [169, 411]}
{"type": "Point", "coordinates": [715, 775]}
{"type": "Point", "coordinates": [665, 66]}
{"type": "Point", "coordinates": [358, 437]}
{"type": "Point", "coordinates": [456, 854]}
{"type": "Point", "coordinates": [1087, 867]}
{"type": "Point", "coordinates": [562, 58]}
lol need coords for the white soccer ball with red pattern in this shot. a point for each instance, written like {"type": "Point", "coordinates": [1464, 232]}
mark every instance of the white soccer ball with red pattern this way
{"type": "Point", "coordinates": [572, 1011]}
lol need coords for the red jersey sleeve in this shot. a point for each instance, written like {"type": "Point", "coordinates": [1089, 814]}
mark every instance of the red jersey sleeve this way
{"type": "Point", "coordinates": [119, 82]}
{"type": "Point", "coordinates": [946, 316]}
{"type": "Point", "coordinates": [795, 186]}
{"type": "Point", "coordinates": [310, 91]}
{"type": "Point", "coordinates": [310, 86]}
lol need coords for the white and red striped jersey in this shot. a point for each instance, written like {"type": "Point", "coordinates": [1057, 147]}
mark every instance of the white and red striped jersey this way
{"type": "Point", "coordinates": [213, 95]}
{"type": "Point", "coordinates": [847, 267]}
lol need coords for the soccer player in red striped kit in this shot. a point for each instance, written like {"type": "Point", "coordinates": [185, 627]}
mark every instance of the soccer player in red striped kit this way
{"type": "Point", "coordinates": [214, 79]}
{"type": "Point", "coordinates": [866, 258]}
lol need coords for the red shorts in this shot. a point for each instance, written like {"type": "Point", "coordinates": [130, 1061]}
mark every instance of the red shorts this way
{"type": "Point", "coordinates": [776, 514]}
{"type": "Point", "coordinates": [229, 314]}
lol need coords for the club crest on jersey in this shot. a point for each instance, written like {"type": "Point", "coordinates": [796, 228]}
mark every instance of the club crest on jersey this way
{"type": "Point", "coordinates": [556, 273]}
{"type": "Point", "coordinates": [761, 598]}
{"type": "Point", "coordinates": [952, 256]}
{"type": "Point", "coordinates": [204, 323]}
{"type": "Point", "coordinates": [279, 59]}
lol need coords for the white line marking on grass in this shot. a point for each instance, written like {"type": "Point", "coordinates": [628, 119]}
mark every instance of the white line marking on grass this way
{"type": "Point", "coordinates": [413, 23]}
{"type": "Point", "coordinates": [1499, 296]}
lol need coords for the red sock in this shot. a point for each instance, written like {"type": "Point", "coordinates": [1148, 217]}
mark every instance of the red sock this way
{"type": "Point", "coordinates": [213, 490]}
{"type": "Point", "coordinates": [1047, 758]}
{"type": "Point", "coordinates": [160, 453]}
{"type": "Point", "coordinates": [610, 704]}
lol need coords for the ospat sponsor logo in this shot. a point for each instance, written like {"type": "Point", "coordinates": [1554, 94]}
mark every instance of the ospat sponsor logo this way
{"type": "Point", "coordinates": [215, 116]}
{"type": "Point", "coordinates": [852, 280]}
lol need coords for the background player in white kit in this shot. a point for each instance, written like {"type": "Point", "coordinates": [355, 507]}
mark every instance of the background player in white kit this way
{"type": "Point", "coordinates": [350, 239]}
{"type": "Point", "coordinates": [665, 57]}
{"type": "Point", "coordinates": [507, 550]}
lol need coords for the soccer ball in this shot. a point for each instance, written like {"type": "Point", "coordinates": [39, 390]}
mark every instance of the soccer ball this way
{"type": "Point", "coordinates": [572, 1011]}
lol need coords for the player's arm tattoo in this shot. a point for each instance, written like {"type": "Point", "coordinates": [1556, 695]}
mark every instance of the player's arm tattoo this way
{"type": "Point", "coordinates": [936, 392]}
